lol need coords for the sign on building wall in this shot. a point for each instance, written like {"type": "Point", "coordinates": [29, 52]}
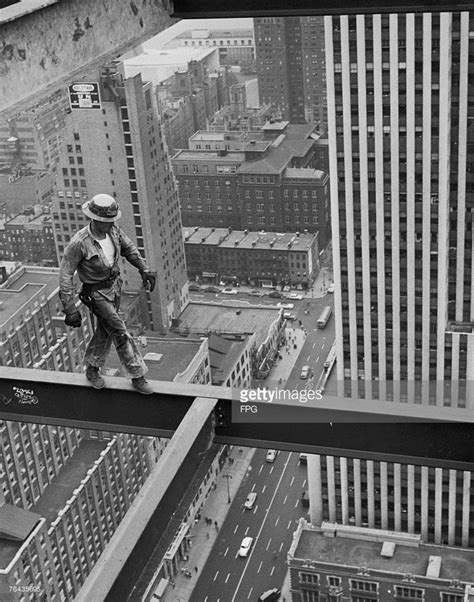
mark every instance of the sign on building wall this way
{"type": "Point", "coordinates": [84, 96]}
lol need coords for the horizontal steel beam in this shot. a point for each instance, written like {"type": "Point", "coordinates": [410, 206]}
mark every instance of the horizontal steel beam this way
{"type": "Point", "coordinates": [190, 9]}
{"type": "Point", "coordinates": [355, 428]}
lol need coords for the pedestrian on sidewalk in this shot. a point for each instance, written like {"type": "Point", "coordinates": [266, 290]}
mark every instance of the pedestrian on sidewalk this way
{"type": "Point", "coordinates": [216, 525]}
{"type": "Point", "coordinates": [196, 569]}
{"type": "Point", "coordinates": [207, 535]}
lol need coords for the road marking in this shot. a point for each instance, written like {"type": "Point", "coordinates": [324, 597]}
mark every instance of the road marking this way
{"type": "Point", "coordinates": [235, 530]}
{"type": "Point", "coordinates": [289, 525]}
{"type": "Point", "coordinates": [277, 521]}
{"type": "Point", "coordinates": [308, 358]}
{"type": "Point", "coordinates": [261, 468]}
{"type": "Point", "coordinates": [225, 553]}
{"type": "Point", "coordinates": [259, 567]}
{"type": "Point", "coordinates": [304, 483]}
{"type": "Point", "coordinates": [297, 502]}
{"type": "Point", "coordinates": [246, 531]}
{"type": "Point", "coordinates": [314, 345]}
{"type": "Point", "coordinates": [286, 497]}
{"type": "Point", "coordinates": [215, 576]}
{"type": "Point", "coordinates": [281, 546]}
{"type": "Point", "coordinates": [292, 480]}
{"type": "Point", "coordinates": [261, 526]}
{"type": "Point", "coordinates": [268, 544]}
{"type": "Point", "coordinates": [322, 346]}
{"type": "Point", "coordinates": [253, 487]}
{"type": "Point", "coordinates": [255, 511]}
{"type": "Point", "coordinates": [264, 487]}
{"type": "Point", "coordinates": [272, 571]}
{"type": "Point", "coordinates": [227, 578]}
{"type": "Point", "coordinates": [250, 593]}
{"type": "Point", "coordinates": [317, 359]}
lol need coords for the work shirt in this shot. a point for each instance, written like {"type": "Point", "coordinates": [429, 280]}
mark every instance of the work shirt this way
{"type": "Point", "coordinates": [84, 254]}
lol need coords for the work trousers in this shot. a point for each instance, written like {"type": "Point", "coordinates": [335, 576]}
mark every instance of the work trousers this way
{"type": "Point", "coordinates": [110, 328]}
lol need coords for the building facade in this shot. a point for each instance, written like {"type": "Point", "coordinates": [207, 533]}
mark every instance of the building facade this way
{"type": "Point", "coordinates": [29, 239]}
{"type": "Point", "coordinates": [119, 149]}
{"type": "Point", "coordinates": [290, 67]}
{"type": "Point", "coordinates": [255, 258]}
{"type": "Point", "coordinates": [336, 563]}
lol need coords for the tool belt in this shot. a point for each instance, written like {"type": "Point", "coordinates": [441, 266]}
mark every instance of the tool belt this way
{"type": "Point", "coordinates": [88, 288]}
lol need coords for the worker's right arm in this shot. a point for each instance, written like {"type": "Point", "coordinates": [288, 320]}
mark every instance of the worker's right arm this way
{"type": "Point", "coordinates": [71, 259]}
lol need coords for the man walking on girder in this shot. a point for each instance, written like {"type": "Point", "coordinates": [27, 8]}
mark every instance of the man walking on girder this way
{"type": "Point", "coordinates": [94, 252]}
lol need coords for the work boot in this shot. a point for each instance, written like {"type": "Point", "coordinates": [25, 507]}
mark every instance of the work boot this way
{"type": "Point", "coordinates": [94, 377]}
{"type": "Point", "coordinates": [142, 385]}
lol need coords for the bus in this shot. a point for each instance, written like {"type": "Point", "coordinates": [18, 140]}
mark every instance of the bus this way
{"type": "Point", "coordinates": [324, 317]}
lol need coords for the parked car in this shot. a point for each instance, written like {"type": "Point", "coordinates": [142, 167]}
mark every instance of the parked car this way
{"type": "Point", "coordinates": [256, 293]}
{"type": "Point", "coordinates": [305, 372]}
{"type": "Point", "coordinates": [194, 287]}
{"type": "Point", "coordinates": [289, 316]}
{"type": "Point", "coordinates": [303, 459]}
{"type": "Point", "coordinates": [330, 288]}
{"type": "Point", "coordinates": [250, 501]}
{"type": "Point", "coordinates": [271, 455]}
{"type": "Point", "coordinates": [245, 546]}
{"type": "Point", "coordinates": [212, 289]}
{"type": "Point", "coordinates": [229, 291]}
{"type": "Point", "coordinates": [271, 595]}
{"type": "Point", "coordinates": [295, 296]}
{"type": "Point", "coordinates": [275, 295]}
{"type": "Point", "coordinates": [286, 305]}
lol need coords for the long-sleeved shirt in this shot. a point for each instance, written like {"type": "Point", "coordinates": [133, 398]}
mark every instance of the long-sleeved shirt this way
{"type": "Point", "coordinates": [85, 255]}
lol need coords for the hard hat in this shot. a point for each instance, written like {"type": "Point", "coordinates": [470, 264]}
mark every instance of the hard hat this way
{"type": "Point", "coordinates": [102, 208]}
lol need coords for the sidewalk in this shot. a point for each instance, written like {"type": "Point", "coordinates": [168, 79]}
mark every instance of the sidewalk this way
{"type": "Point", "coordinates": [282, 368]}
{"type": "Point", "coordinates": [204, 536]}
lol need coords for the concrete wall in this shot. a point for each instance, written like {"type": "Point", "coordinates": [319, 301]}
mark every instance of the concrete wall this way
{"type": "Point", "coordinates": [43, 49]}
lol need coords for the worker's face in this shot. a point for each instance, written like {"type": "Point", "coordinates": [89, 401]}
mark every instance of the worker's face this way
{"type": "Point", "coordinates": [102, 228]}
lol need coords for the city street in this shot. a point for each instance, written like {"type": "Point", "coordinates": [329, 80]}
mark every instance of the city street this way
{"type": "Point", "coordinates": [226, 577]}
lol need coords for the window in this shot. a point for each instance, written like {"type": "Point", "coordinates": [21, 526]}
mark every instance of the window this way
{"type": "Point", "coordinates": [334, 581]}
{"type": "Point", "coordinates": [449, 597]}
{"type": "Point", "coordinates": [363, 586]}
{"type": "Point", "coordinates": [309, 578]}
{"type": "Point", "coordinates": [409, 593]}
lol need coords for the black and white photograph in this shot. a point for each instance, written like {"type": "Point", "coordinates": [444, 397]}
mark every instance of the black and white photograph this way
{"type": "Point", "coordinates": [236, 301]}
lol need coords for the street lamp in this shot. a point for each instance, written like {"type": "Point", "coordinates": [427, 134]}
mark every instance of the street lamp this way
{"type": "Point", "coordinates": [227, 477]}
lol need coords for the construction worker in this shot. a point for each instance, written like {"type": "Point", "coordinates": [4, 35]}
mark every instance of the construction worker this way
{"type": "Point", "coordinates": [94, 252]}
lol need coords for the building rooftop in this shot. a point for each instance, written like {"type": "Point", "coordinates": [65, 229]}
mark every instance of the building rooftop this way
{"type": "Point", "coordinates": [27, 288]}
{"type": "Point", "coordinates": [166, 358]}
{"type": "Point", "coordinates": [269, 240]}
{"type": "Point", "coordinates": [229, 317]}
{"type": "Point", "coordinates": [351, 547]}
{"type": "Point", "coordinates": [216, 33]}
{"type": "Point", "coordinates": [224, 353]}
{"type": "Point", "coordinates": [276, 160]}
{"type": "Point", "coordinates": [174, 56]}
{"type": "Point", "coordinates": [211, 236]}
{"type": "Point", "coordinates": [305, 173]}
{"type": "Point", "coordinates": [208, 156]}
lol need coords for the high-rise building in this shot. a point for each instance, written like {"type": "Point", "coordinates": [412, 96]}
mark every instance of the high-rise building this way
{"type": "Point", "coordinates": [290, 66]}
{"type": "Point", "coordinates": [119, 149]}
{"type": "Point", "coordinates": [400, 152]}
{"type": "Point", "coordinates": [400, 160]}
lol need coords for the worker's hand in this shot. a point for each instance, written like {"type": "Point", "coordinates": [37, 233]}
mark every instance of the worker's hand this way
{"type": "Point", "coordinates": [149, 281]}
{"type": "Point", "coordinates": [73, 319]}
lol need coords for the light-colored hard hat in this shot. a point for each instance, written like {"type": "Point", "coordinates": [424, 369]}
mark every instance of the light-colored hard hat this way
{"type": "Point", "coordinates": [102, 208]}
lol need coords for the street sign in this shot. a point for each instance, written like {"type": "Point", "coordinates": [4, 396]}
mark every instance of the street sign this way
{"type": "Point", "coordinates": [84, 95]}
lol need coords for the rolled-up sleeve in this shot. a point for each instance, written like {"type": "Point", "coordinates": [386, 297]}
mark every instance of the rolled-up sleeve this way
{"type": "Point", "coordinates": [131, 253]}
{"type": "Point", "coordinates": [70, 261]}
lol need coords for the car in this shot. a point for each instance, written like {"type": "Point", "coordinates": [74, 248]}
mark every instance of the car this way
{"type": "Point", "coordinates": [271, 595]}
{"type": "Point", "coordinates": [255, 293]}
{"type": "Point", "coordinates": [286, 305]}
{"type": "Point", "coordinates": [229, 291]}
{"type": "Point", "coordinates": [275, 295]}
{"type": "Point", "coordinates": [271, 455]}
{"type": "Point", "coordinates": [303, 459]}
{"type": "Point", "coordinates": [295, 296]}
{"type": "Point", "coordinates": [212, 289]}
{"type": "Point", "coordinates": [330, 288]}
{"type": "Point", "coordinates": [250, 501]}
{"type": "Point", "coordinates": [289, 316]}
{"type": "Point", "coordinates": [194, 287]}
{"type": "Point", "coordinates": [305, 499]}
{"type": "Point", "coordinates": [305, 372]}
{"type": "Point", "coordinates": [245, 546]}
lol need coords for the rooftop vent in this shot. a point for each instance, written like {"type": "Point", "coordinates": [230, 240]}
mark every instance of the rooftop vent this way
{"type": "Point", "coordinates": [153, 357]}
{"type": "Point", "coordinates": [434, 567]}
{"type": "Point", "coordinates": [388, 549]}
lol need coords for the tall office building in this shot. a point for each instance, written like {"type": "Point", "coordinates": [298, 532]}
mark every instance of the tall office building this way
{"type": "Point", "coordinates": [401, 156]}
{"type": "Point", "coordinates": [290, 66]}
{"type": "Point", "coordinates": [119, 149]}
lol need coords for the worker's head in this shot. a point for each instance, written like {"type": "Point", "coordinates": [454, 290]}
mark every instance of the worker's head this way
{"type": "Point", "coordinates": [102, 209]}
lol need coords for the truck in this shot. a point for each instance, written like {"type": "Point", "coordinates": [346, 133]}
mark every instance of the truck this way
{"type": "Point", "coordinates": [324, 317]}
